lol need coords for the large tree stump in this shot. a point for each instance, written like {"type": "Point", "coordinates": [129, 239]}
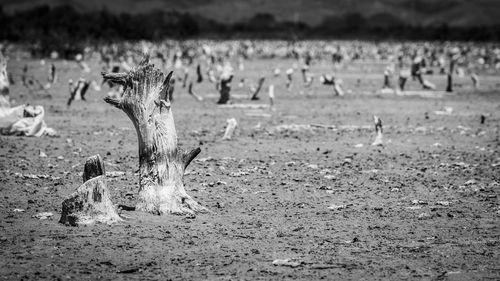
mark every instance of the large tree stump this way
{"type": "Point", "coordinates": [90, 203]}
{"type": "Point", "coordinates": [161, 162]}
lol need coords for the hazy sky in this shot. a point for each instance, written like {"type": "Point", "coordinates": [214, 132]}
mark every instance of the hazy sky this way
{"type": "Point", "coordinates": [433, 12]}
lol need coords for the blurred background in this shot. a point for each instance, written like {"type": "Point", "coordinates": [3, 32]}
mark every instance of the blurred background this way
{"type": "Point", "coordinates": [57, 21]}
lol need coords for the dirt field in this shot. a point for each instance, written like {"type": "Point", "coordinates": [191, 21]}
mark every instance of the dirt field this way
{"type": "Point", "coordinates": [425, 206]}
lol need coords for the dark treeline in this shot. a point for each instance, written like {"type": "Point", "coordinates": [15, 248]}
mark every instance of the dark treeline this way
{"type": "Point", "coordinates": [54, 28]}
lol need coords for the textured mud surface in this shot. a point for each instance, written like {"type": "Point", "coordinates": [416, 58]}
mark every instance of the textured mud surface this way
{"type": "Point", "coordinates": [425, 206]}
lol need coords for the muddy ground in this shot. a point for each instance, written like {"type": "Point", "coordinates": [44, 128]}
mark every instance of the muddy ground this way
{"type": "Point", "coordinates": [424, 206]}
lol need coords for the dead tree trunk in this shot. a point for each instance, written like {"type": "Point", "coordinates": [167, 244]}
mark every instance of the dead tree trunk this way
{"type": "Point", "coordinates": [90, 203]}
{"type": "Point", "coordinates": [161, 162]}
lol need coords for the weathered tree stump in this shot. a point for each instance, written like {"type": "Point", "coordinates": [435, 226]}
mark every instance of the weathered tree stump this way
{"type": "Point", "coordinates": [90, 203]}
{"type": "Point", "coordinates": [161, 162]}
{"type": "Point", "coordinates": [4, 83]}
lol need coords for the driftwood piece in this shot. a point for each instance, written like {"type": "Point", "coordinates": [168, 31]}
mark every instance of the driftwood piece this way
{"type": "Point", "coordinates": [90, 203]}
{"type": "Point", "coordinates": [161, 162]}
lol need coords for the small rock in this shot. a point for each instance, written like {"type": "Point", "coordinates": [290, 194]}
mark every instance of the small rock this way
{"type": "Point", "coordinates": [42, 154]}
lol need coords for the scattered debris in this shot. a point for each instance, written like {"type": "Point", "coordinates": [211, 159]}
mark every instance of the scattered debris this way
{"type": "Point", "coordinates": [32, 176]}
{"type": "Point", "coordinates": [339, 207]}
{"type": "Point", "coordinates": [287, 262]}
{"type": "Point", "coordinates": [43, 215]}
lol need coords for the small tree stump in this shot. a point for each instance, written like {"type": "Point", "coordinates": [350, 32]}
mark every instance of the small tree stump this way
{"type": "Point", "coordinates": [90, 203]}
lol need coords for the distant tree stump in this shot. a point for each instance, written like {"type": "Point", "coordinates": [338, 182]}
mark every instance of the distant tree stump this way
{"type": "Point", "coordinates": [257, 90]}
{"type": "Point", "coordinates": [225, 89]}
{"type": "Point", "coordinates": [199, 75]}
{"type": "Point", "coordinates": [90, 203]}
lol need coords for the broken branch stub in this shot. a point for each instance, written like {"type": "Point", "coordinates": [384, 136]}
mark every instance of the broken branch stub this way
{"type": "Point", "coordinates": [161, 162]}
{"type": "Point", "coordinates": [94, 167]}
{"type": "Point", "coordinates": [90, 203]}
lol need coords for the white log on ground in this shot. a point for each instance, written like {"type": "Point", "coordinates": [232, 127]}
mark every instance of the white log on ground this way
{"type": "Point", "coordinates": [161, 162]}
{"type": "Point", "coordinates": [91, 202]}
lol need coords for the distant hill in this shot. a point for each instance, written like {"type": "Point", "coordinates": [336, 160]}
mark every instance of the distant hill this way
{"type": "Point", "coordinates": [456, 13]}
